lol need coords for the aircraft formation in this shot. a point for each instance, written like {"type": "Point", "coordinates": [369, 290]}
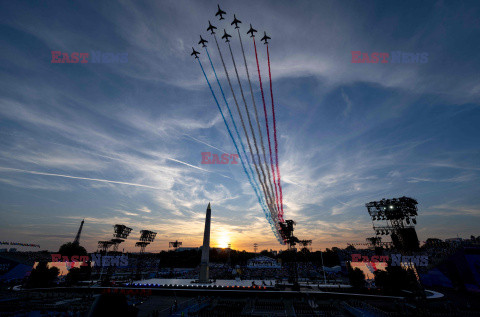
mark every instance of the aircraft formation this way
{"type": "Point", "coordinates": [225, 36]}
{"type": "Point", "coordinates": [260, 164]}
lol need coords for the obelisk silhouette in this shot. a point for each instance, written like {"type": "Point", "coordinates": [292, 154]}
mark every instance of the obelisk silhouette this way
{"type": "Point", "coordinates": [205, 248]}
{"type": "Point", "coordinates": [77, 237]}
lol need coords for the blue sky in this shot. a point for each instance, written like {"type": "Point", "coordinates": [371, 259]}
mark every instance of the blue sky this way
{"type": "Point", "coordinates": [348, 133]}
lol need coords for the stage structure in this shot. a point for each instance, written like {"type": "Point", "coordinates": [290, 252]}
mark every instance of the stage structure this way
{"type": "Point", "coordinates": [396, 217]}
{"type": "Point", "coordinates": [146, 237]}
{"type": "Point", "coordinates": [175, 244]}
{"type": "Point", "coordinates": [286, 232]}
{"type": "Point", "coordinates": [120, 233]}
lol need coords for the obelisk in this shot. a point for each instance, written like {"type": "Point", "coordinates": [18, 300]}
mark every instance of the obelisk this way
{"type": "Point", "coordinates": [205, 248]}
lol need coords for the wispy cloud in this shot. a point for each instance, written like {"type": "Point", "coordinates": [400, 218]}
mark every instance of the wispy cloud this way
{"type": "Point", "coordinates": [145, 209]}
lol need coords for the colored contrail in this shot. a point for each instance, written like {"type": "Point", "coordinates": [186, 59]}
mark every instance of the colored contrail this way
{"type": "Point", "coordinates": [76, 177]}
{"type": "Point", "coordinates": [266, 192]}
{"type": "Point", "coordinates": [233, 121]}
{"type": "Point", "coordinates": [271, 190]}
{"type": "Point", "coordinates": [230, 112]}
{"type": "Point", "coordinates": [266, 123]}
{"type": "Point", "coordinates": [269, 218]}
{"type": "Point", "coordinates": [275, 132]}
{"type": "Point", "coordinates": [239, 112]}
{"type": "Point", "coordinates": [230, 133]}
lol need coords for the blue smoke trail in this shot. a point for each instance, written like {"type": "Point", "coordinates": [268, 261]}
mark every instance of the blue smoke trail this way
{"type": "Point", "coordinates": [252, 183]}
{"type": "Point", "coordinates": [230, 132]}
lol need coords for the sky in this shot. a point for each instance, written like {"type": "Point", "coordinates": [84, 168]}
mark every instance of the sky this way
{"type": "Point", "coordinates": [121, 143]}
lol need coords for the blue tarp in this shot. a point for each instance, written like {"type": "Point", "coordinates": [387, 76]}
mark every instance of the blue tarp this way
{"type": "Point", "coordinates": [435, 278]}
{"type": "Point", "coordinates": [473, 261]}
{"type": "Point", "coordinates": [18, 272]}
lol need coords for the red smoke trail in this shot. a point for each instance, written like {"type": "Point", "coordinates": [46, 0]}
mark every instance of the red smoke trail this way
{"type": "Point", "coordinates": [268, 132]}
{"type": "Point", "coordinates": [275, 135]}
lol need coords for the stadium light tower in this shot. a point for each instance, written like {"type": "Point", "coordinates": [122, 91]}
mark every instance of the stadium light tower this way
{"type": "Point", "coordinates": [396, 217]}
{"type": "Point", "coordinates": [146, 237]}
{"type": "Point", "coordinates": [175, 244]}
{"type": "Point", "coordinates": [306, 244]}
{"type": "Point", "coordinates": [120, 233]}
{"type": "Point", "coordinates": [104, 245]}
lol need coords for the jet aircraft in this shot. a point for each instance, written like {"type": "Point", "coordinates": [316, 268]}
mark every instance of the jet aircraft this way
{"type": "Point", "coordinates": [265, 38]}
{"type": "Point", "coordinates": [236, 22]}
{"type": "Point", "coordinates": [211, 28]}
{"type": "Point", "coordinates": [252, 31]}
{"type": "Point", "coordinates": [202, 41]}
{"type": "Point", "coordinates": [195, 53]}
{"type": "Point", "coordinates": [226, 36]}
{"type": "Point", "coordinates": [220, 12]}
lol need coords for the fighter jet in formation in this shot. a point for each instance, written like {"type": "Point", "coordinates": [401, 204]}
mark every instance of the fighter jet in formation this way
{"type": "Point", "coordinates": [195, 53]}
{"type": "Point", "coordinates": [252, 31]}
{"type": "Point", "coordinates": [226, 36]}
{"type": "Point", "coordinates": [236, 22]}
{"type": "Point", "coordinates": [265, 38]}
{"type": "Point", "coordinates": [220, 12]}
{"type": "Point", "coordinates": [211, 27]}
{"type": "Point", "coordinates": [202, 41]}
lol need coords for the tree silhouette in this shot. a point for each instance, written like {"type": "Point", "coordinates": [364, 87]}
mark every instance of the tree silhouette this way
{"type": "Point", "coordinates": [356, 277]}
{"type": "Point", "coordinates": [70, 249]}
{"type": "Point", "coordinates": [395, 279]}
{"type": "Point", "coordinates": [78, 274]}
{"type": "Point", "coordinates": [42, 276]}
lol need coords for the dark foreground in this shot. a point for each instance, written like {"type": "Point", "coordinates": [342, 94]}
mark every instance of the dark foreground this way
{"type": "Point", "coordinates": [176, 302]}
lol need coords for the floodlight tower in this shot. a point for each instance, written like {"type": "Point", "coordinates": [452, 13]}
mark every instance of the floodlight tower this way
{"type": "Point", "coordinates": [115, 243]}
{"type": "Point", "coordinates": [396, 217]}
{"type": "Point", "coordinates": [305, 244]}
{"type": "Point", "coordinates": [374, 241]}
{"type": "Point", "coordinates": [175, 244]}
{"type": "Point", "coordinates": [120, 233]}
{"type": "Point", "coordinates": [104, 245]}
{"type": "Point", "coordinates": [146, 237]}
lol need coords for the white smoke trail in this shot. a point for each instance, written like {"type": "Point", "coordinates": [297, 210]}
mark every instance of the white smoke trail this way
{"type": "Point", "coordinates": [76, 177]}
